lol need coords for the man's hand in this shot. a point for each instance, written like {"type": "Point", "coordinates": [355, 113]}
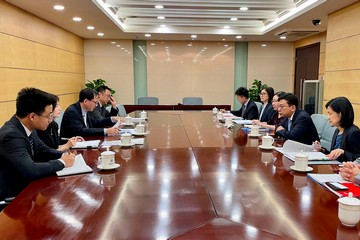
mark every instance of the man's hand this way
{"type": "Point", "coordinates": [349, 171]}
{"type": "Point", "coordinates": [112, 102]}
{"type": "Point", "coordinates": [68, 159]}
{"type": "Point", "coordinates": [112, 131]}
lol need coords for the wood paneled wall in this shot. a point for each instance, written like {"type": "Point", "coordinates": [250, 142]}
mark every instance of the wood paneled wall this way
{"type": "Point", "coordinates": [342, 62]}
{"type": "Point", "coordinates": [35, 53]}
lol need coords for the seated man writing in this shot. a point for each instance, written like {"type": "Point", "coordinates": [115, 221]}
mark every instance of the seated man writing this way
{"type": "Point", "coordinates": [23, 156]}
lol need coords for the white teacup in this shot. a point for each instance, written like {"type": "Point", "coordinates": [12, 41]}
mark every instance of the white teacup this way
{"type": "Point", "coordinates": [301, 161]}
{"type": "Point", "coordinates": [219, 115]}
{"type": "Point", "coordinates": [215, 110]}
{"type": "Point", "coordinates": [140, 128]}
{"type": "Point", "coordinates": [228, 121]}
{"type": "Point", "coordinates": [349, 210]}
{"type": "Point", "coordinates": [128, 120]}
{"type": "Point", "coordinates": [107, 159]}
{"type": "Point", "coordinates": [126, 138]}
{"type": "Point", "coordinates": [254, 130]}
{"type": "Point", "coordinates": [143, 114]}
{"type": "Point", "coordinates": [267, 141]}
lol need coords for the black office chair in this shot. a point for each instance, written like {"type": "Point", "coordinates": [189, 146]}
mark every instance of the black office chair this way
{"type": "Point", "coordinates": [5, 202]}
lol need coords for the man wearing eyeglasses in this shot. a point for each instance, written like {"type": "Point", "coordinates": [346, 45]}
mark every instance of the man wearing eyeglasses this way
{"type": "Point", "coordinates": [77, 121]}
{"type": "Point", "coordinates": [298, 126]}
{"type": "Point", "coordinates": [23, 156]}
{"type": "Point", "coordinates": [100, 114]}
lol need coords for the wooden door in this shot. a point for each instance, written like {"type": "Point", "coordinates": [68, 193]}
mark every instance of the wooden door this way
{"type": "Point", "coordinates": [306, 66]}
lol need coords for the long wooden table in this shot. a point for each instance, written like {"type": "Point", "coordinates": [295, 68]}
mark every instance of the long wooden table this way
{"type": "Point", "coordinates": [192, 179]}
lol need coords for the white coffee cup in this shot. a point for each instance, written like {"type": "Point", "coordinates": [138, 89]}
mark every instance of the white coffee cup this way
{"type": "Point", "coordinates": [349, 210]}
{"type": "Point", "coordinates": [215, 110]}
{"type": "Point", "coordinates": [267, 141]}
{"type": "Point", "coordinates": [107, 159]}
{"type": "Point", "coordinates": [126, 138]}
{"type": "Point", "coordinates": [140, 128]}
{"type": "Point", "coordinates": [228, 121]}
{"type": "Point", "coordinates": [254, 130]}
{"type": "Point", "coordinates": [301, 161]}
{"type": "Point", "coordinates": [128, 120]}
{"type": "Point", "coordinates": [143, 114]}
{"type": "Point", "coordinates": [219, 115]}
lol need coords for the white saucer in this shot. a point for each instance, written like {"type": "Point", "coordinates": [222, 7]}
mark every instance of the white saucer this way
{"type": "Point", "coordinates": [308, 169]}
{"type": "Point", "coordinates": [126, 145]}
{"type": "Point", "coordinates": [140, 134]}
{"type": "Point", "coordinates": [266, 148]}
{"type": "Point", "coordinates": [114, 166]}
{"type": "Point", "coordinates": [254, 135]}
{"type": "Point", "coordinates": [128, 124]}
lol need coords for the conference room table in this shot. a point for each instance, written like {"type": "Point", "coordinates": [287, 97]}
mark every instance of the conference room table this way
{"type": "Point", "coordinates": [193, 178]}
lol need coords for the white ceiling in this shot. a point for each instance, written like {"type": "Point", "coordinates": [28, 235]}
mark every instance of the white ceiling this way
{"type": "Point", "coordinates": [264, 20]}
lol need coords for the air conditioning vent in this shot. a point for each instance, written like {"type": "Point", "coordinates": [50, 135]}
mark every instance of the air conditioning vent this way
{"type": "Point", "coordinates": [296, 33]}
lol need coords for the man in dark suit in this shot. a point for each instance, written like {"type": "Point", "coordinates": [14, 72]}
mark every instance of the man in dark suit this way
{"type": "Point", "coordinates": [100, 113]}
{"type": "Point", "coordinates": [298, 126]}
{"type": "Point", "coordinates": [23, 156]}
{"type": "Point", "coordinates": [77, 121]}
{"type": "Point", "coordinates": [248, 109]}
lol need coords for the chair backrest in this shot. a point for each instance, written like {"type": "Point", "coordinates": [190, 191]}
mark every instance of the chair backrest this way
{"type": "Point", "coordinates": [59, 119]}
{"type": "Point", "coordinates": [320, 121]}
{"type": "Point", "coordinates": [327, 135]}
{"type": "Point", "coordinates": [259, 106]}
{"type": "Point", "coordinates": [148, 101]}
{"type": "Point", "coordinates": [192, 101]}
{"type": "Point", "coordinates": [122, 110]}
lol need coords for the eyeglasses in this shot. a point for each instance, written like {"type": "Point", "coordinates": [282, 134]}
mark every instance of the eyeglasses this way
{"type": "Point", "coordinates": [261, 94]}
{"type": "Point", "coordinates": [274, 101]}
{"type": "Point", "coordinates": [282, 106]}
{"type": "Point", "coordinates": [50, 117]}
{"type": "Point", "coordinates": [96, 102]}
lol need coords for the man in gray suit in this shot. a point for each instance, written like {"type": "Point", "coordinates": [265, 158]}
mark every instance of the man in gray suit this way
{"type": "Point", "coordinates": [23, 156]}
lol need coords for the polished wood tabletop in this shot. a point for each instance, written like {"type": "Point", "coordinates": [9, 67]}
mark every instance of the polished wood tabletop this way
{"type": "Point", "coordinates": [192, 178]}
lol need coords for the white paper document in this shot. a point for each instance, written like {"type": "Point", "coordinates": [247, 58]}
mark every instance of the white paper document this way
{"type": "Point", "coordinates": [136, 141]}
{"type": "Point", "coordinates": [87, 144]}
{"type": "Point", "coordinates": [291, 148]}
{"type": "Point", "coordinates": [242, 122]}
{"type": "Point", "coordinates": [322, 178]}
{"type": "Point", "coordinates": [79, 166]}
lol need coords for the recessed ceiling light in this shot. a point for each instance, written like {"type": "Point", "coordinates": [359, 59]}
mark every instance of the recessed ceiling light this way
{"type": "Point", "coordinates": [59, 7]}
{"type": "Point", "coordinates": [226, 27]}
{"type": "Point", "coordinates": [100, 34]}
{"type": "Point", "coordinates": [193, 36]}
{"type": "Point", "coordinates": [244, 8]}
{"type": "Point", "coordinates": [90, 27]}
{"type": "Point", "coordinates": [147, 35]}
{"type": "Point", "coordinates": [233, 19]}
{"type": "Point", "coordinates": [161, 17]}
{"type": "Point", "coordinates": [238, 37]}
{"type": "Point", "coordinates": [159, 6]}
{"type": "Point", "coordinates": [282, 37]}
{"type": "Point", "coordinates": [118, 45]}
{"type": "Point", "coordinates": [77, 19]}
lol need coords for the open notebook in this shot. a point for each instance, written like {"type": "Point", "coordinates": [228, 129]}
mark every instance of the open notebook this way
{"type": "Point", "coordinates": [79, 166]}
{"type": "Point", "coordinates": [87, 144]}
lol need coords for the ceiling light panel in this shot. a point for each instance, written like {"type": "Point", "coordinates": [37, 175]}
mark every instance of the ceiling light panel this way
{"type": "Point", "coordinates": [201, 16]}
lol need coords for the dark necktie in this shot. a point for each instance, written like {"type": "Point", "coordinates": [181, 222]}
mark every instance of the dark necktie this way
{"type": "Point", "coordinates": [31, 141]}
{"type": "Point", "coordinates": [289, 124]}
{"type": "Point", "coordinates": [243, 111]}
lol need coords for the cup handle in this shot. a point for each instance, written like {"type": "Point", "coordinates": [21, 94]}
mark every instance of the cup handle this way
{"type": "Point", "coordinates": [272, 141]}
{"type": "Point", "coordinates": [99, 160]}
